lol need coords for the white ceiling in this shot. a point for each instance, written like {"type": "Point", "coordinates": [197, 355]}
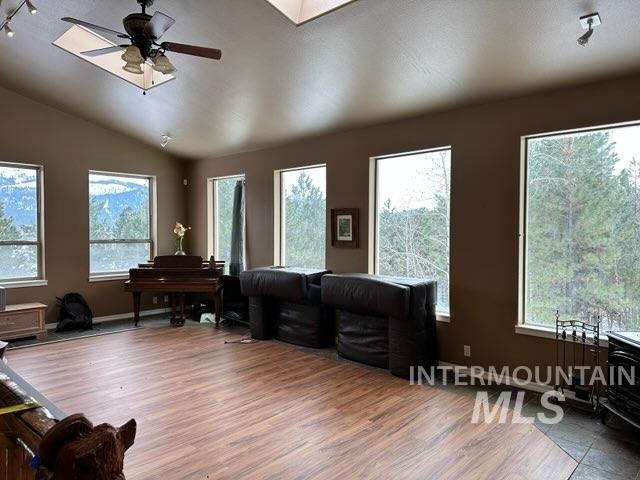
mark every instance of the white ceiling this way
{"type": "Point", "coordinates": [369, 61]}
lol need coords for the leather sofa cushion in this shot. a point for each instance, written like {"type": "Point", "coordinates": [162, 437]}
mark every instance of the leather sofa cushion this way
{"type": "Point", "coordinates": [366, 294]}
{"type": "Point", "coordinates": [363, 338]}
{"type": "Point", "coordinates": [291, 284]}
{"type": "Point", "coordinates": [307, 325]}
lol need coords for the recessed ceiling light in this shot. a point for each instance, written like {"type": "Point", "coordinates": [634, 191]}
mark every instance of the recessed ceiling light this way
{"type": "Point", "coordinates": [302, 11]}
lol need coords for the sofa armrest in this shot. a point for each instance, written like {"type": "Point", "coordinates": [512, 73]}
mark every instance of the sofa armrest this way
{"type": "Point", "coordinates": [259, 324]}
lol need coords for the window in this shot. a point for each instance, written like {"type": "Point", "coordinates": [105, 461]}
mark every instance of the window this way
{"type": "Point", "coordinates": [120, 222]}
{"type": "Point", "coordinates": [302, 217]}
{"type": "Point", "coordinates": [581, 227]}
{"type": "Point", "coordinates": [20, 223]}
{"type": "Point", "coordinates": [412, 211]}
{"type": "Point", "coordinates": [225, 193]}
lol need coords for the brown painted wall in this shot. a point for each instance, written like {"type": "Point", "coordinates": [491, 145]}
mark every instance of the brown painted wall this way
{"type": "Point", "coordinates": [68, 148]}
{"type": "Point", "coordinates": [485, 201]}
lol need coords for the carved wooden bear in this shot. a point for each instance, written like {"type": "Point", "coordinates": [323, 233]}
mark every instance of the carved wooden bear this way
{"type": "Point", "coordinates": [76, 450]}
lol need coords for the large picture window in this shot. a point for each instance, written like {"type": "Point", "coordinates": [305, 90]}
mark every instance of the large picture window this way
{"type": "Point", "coordinates": [581, 227]}
{"type": "Point", "coordinates": [120, 222]}
{"type": "Point", "coordinates": [20, 225]}
{"type": "Point", "coordinates": [303, 217]}
{"type": "Point", "coordinates": [412, 212]}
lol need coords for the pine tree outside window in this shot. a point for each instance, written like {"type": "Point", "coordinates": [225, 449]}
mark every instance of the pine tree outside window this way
{"type": "Point", "coordinates": [412, 218]}
{"type": "Point", "coordinates": [303, 213]}
{"type": "Point", "coordinates": [21, 229]}
{"type": "Point", "coordinates": [581, 228]}
{"type": "Point", "coordinates": [120, 222]}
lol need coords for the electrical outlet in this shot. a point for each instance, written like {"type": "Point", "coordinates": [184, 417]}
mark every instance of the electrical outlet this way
{"type": "Point", "coordinates": [166, 299]}
{"type": "Point", "coordinates": [155, 300]}
{"type": "Point", "coordinates": [467, 350]}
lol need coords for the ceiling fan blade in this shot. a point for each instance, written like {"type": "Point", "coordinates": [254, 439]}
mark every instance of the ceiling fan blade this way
{"type": "Point", "coordinates": [158, 25]}
{"type": "Point", "coordinates": [212, 53]}
{"type": "Point", "coordinates": [103, 51]}
{"type": "Point", "coordinates": [91, 26]}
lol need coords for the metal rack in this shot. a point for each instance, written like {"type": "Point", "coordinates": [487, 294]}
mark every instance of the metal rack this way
{"type": "Point", "coordinates": [578, 342]}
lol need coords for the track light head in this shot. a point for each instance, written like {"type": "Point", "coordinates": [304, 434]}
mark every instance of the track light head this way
{"type": "Point", "coordinates": [584, 39]}
{"type": "Point", "coordinates": [31, 7]}
{"type": "Point", "coordinates": [8, 32]}
{"type": "Point", "coordinates": [588, 22]}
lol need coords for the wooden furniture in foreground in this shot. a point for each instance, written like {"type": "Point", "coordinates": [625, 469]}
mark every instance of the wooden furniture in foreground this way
{"type": "Point", "coordinates": [176, 275]}
{"type": "Point", "coordinates": [25, 320]}
{"type": "Point", "coordinates": [280, 413]}
{"type": "Point", "coordinates": [69, 448]}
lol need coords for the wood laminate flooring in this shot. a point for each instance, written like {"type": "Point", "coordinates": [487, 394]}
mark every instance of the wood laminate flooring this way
{"type": "Point", "coordinates": [210, 410]}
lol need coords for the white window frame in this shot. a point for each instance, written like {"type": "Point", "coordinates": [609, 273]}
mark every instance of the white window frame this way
{"type": "Point", "coordinates": [521, 326]}
{"type": "Point", "coordinates": [374, 230]}
{"type": "Point", "coordinates": [212, 212]}
{"type": "Point", "coordinates": [279, 212]}
{"type": "Point", "coordinates": [153, 227]}
{"type": "Point", "coordinates": [40, 279]}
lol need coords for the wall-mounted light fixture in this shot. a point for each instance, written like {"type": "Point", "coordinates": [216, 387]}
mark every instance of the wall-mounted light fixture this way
{"type": "Point", "coordinates": [4, 24]}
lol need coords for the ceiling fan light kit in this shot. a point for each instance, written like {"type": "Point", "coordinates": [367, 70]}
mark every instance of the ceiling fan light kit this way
{"type": "Point", "coordinates": [132, 55]}
{"type": "Point", "coordinates": [162, 64]}
{"type": "Point", "coordinates": [143, 31]}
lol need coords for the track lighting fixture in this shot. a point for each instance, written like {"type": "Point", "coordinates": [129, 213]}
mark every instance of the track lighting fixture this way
{"type": "Point", "coordinates": [4, 24]}
{"type": "Point", "coordinates": [588, 22]}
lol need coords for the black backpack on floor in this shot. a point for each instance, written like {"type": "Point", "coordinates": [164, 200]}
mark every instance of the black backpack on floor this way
{"type": "Point", "coordinates": [75, 313]}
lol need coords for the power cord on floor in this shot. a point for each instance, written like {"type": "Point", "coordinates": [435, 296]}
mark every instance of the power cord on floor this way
{"type": "Point", "coordinates": [245, 339]}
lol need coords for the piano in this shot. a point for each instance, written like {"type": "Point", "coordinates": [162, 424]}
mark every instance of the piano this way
{"type": "Point", "coordinates": [176, 275]}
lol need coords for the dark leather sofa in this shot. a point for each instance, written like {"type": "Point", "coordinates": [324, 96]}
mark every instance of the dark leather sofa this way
{"type": "Point", "coordinates": [386, 322]}
{"type": "Point", "coordinates": [285, 303]}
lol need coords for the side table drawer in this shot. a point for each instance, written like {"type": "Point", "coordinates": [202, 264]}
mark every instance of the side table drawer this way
{"type": "Point", "coordinates": [16, 324]}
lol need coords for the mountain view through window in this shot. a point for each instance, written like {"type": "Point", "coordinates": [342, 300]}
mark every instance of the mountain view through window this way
{"type": "Point", "coordinates": [19, 242]}
{"type": "Point", "coordinates": [119, 222]}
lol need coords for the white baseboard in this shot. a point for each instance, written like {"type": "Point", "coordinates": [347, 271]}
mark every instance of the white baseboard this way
{"type": "Point", "coordinates": [120, 316]}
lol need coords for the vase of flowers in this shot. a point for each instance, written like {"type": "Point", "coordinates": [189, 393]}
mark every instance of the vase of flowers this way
{"type": "Point", "coordinates": [179, 231]}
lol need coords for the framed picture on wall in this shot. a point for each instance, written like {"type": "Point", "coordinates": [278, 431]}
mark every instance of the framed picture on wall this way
{"type": "Point", "coordinates": [345, 230]}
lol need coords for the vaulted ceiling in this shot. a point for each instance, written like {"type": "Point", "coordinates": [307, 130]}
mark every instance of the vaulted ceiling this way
{"type": "Point", "coordinates": [370, 61]}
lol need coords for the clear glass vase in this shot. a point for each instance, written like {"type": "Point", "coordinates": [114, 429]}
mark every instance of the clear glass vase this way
{"type": "Point", "coordinates": [180, 251]}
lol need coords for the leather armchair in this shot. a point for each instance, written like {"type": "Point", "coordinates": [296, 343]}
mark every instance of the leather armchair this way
{"type": "Point", "coordinates": [285, 303]}
{"type": "Point", "coordinates": [386, 322]}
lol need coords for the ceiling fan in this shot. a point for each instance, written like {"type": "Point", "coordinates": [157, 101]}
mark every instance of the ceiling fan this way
{"type": "Point", "coordinates": [144, 32]}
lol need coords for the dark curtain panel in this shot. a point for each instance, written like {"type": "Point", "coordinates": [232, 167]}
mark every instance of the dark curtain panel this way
{"type": "Point", "coordinates": [236, 262]}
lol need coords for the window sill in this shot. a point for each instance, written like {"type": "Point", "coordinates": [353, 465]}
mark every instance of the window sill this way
{"type": "Point", "coordinates": [109, 278]}
{"type": "Point", "coordinates": [549, 333]}
{"type": "Point", "coordinates": [443, 317]}
{"type": "Point", "coordinates": [25, 284]}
